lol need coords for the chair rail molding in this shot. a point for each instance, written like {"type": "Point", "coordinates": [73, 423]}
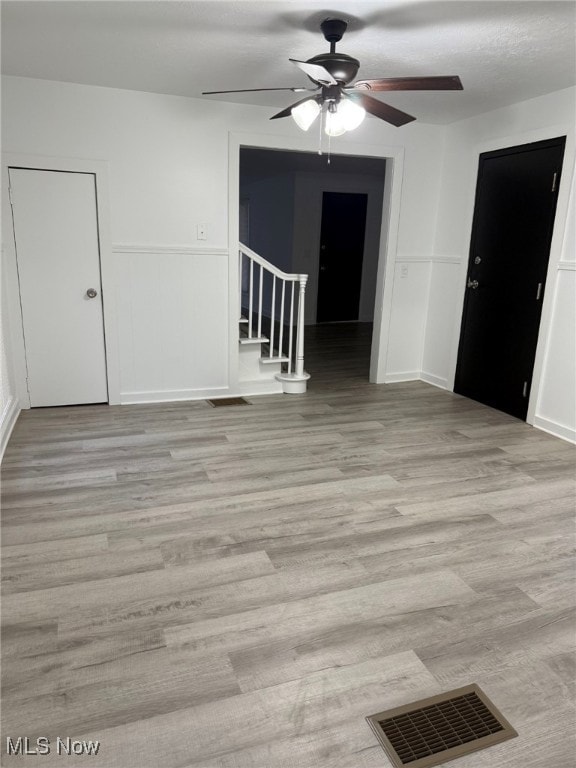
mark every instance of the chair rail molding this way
{"type": "Point", "coordinates": [409, 258]}
{"type": "Point", "coordinates": [163, 248]}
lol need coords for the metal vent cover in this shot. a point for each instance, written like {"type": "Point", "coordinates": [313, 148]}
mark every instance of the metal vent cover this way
{"type": "Point", "coordinates": [221, 401]}
{"type": "Point", "coordinates": [434, 730]}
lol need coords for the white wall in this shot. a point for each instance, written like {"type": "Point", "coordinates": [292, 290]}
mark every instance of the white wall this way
{"type": "Point", "coordinates": [271, 217]}
{"type": "Point", "coordinates": [9, 406]}
{"type": "Point", "coordinates": [545, 117]}
{"type": "Point", "coordinates": [168, 169]}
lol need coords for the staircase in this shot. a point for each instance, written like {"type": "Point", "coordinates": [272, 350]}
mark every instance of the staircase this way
{"type": "Point", "coordinates": [271, 326]}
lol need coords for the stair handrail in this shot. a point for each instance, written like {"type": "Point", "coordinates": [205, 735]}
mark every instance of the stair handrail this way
{"type": "Point", "coordinates": [301, 279]}
{"type": "Point", "coordinates": [271, 267]}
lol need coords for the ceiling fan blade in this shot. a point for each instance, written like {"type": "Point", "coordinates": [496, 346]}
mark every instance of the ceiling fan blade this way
{"type": "Point", "coordinates": [316, 71]}
{"type": "Point", "coordinates": [444, 83]}
{"type": "Point", "coordinates": [286, 112]}
{"type": "Point", "coordinates": [253, 90]}
{"type": "Point", "coordinates": [381, 110]}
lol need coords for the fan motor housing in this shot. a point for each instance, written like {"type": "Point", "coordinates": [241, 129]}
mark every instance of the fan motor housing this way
{"type": "Point", "coordinates": [342, 67]}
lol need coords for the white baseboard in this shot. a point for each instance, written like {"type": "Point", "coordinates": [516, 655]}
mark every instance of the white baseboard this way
{"type": "Point", "coordinates": [173, 395]}
{"type": "Point", "coordinates": [429, 378]}
{"type": "Point", "coordinates": [7, 421]}
{"type": "Point", "coordinates": [245, 388]}
{"type": "Point", "coordinates": [396, 378]}
{"type": "Point", "coordinates": [436, 381]}
{"type": "Point", "coordinates": [553, 428]}
{"type": "Point", "coordinates": [261, 387]}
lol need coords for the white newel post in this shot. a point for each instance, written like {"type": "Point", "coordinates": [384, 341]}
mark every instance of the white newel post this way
{"type": "Point", "coordinates": [303, 279]}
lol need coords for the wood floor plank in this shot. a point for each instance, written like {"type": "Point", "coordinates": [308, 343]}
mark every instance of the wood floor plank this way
{"type": "Point", "coordinates": [322, 613]}
{"type": "Point", "coordinates": [295, 708]}
{"type": "Point", "coordinates": [524, 642]}
{"type": "Point", "coordinates": [134, 686]}
{"type": "Point", "coordinates": [42, 575]}
{"type": "Point", "coordinates": [121, 590]}
{"type": "Point", "coordinates": [33, 553]}
{"type": "Point", "coordinates": [297, 654]}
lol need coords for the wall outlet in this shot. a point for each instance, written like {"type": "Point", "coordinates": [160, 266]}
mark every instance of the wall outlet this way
{"type": "Point", "coordinates": [404, 270]}
{"type": "Point", "coordinates": [201, 231]}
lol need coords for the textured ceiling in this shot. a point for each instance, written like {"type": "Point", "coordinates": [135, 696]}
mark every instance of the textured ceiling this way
{"type": "Point", "coordinates": [503, 51]}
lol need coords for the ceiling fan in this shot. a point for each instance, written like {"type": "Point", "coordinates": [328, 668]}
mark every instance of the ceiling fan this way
{"type": "Point", "coordinates": [343, 104]}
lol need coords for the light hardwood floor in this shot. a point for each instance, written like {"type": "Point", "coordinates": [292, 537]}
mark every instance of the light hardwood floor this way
{"type": "Point", "coordinates": [240, 587]}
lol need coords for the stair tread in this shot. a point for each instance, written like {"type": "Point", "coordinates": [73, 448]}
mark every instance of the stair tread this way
{"type": "Point", "coordinates": [253, 340]}
{"type": "Point", "coordinates": [266, 360]}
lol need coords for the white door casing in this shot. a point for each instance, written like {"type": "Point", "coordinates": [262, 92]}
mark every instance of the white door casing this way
{"type": "Point", "coordinates": [57, 251]}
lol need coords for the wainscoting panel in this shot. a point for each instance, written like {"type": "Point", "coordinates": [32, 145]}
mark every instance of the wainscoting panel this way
{"type": "Point", "coordinates": [556, 408]}
{"type": "Point", "coordinates": [442, 320]}
{"type": "Point", "coordinates": [8, 418]}
{"type": "Point", "coordinates": [407, 322]}
{"type": "Point", "coordinates": [172, 305]}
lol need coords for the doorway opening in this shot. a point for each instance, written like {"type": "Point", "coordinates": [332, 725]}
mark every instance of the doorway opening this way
{"type": "Point", "coordinates": [305, 216]}
{"type": "Point", "coordinates": [342, 235]}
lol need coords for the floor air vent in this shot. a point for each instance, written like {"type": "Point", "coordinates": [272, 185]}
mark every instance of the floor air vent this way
{"type": "Point", "coordinates": [221, 401]}
{"type": "Point", "coordinates": [432, 731]}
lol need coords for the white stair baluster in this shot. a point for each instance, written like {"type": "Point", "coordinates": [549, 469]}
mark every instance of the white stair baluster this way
{"type": "Point", "coordinates": [290, 334]}
{"type": "Point", "coordinates": [260, 292]}
{"type": "Point", "coordinates": [273, 316]}
{"type": "Point", "coordinates": [281, 337]}
{"type": "Point", "coordinates": [250, 297]}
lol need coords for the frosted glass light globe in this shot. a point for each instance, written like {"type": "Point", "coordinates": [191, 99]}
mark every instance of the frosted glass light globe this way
{"type": "Point", "coordinates": [348, 115]}
{"type": "Point", "coordinates": [334, 124]}
{"type": "Point", "coordinates": [351, 114]}
{"type": "Point", "coordinates": [305, 114]}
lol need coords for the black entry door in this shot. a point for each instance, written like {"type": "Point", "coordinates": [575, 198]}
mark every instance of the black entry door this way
{"type": "Point", "coordinates": [511, 233]}
{"type": "Point", "coordinates": [341, 254]}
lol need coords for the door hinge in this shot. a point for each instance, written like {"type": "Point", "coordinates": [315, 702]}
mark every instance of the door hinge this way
{"type": "Point", "coordinates": [525, 389]}
{"type": "Point", "coordinates": [539, 292]}
{"type": "Point", "coordinates": [554, 181]}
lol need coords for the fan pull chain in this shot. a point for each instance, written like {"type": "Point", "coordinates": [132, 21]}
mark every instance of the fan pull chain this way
{"type": "Point", "coordinates": [320, 123]}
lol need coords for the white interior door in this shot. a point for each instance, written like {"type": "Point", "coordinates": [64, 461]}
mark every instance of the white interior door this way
{"type": "Point", "coordinates": [56, 234]}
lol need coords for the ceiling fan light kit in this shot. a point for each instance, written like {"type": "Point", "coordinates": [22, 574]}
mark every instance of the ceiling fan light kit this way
{"type": "Point", "coordinates": [342, 105]}
{"type": "Point", "coordinates": [341, 116]}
